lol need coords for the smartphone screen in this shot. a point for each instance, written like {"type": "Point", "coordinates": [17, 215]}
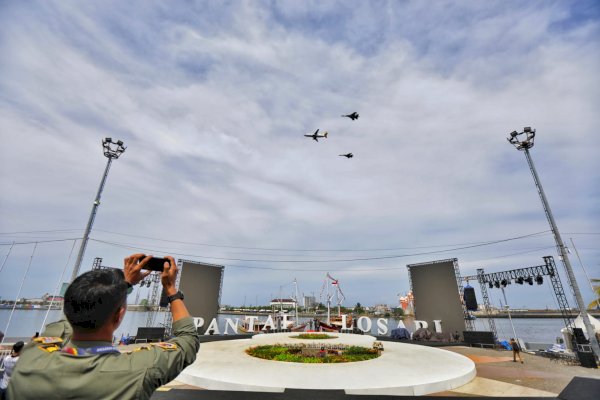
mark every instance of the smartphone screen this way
{"type": "Point", "coordinates": [156, 264]}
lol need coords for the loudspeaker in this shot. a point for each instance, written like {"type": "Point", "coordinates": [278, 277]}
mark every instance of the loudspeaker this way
{"type": "Point", "coordinates": [587, 359]}
{"type": "Point", "coordinates": [470, 299]}
{"type": "Point", "coordinates": [579, 336]}
{"type": "Point", "coordinates": [478, 337]}
{"type": "Point", "coordinates": [163, 299]}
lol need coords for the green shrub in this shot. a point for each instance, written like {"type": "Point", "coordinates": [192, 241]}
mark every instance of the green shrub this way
{"type": "Point", "coordinates": [313, 336]}
{"type": "Point", "coordinates": [289, 358]}
{"type": "Point", "coordinates": [286, 354]}
{"type": "Point", "coordinates": [352, 350]}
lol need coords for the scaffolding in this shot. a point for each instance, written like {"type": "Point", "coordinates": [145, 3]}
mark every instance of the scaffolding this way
{"type": "Point", "coordinates": [522, 275]}
{"type": "Point", "coordinates": [486, 303]}
{"type": "Point", "coordinates": [154, 298]}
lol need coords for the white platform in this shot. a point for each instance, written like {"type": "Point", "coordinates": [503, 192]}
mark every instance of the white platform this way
{"type": "Point", "coordinates": [402, 369]}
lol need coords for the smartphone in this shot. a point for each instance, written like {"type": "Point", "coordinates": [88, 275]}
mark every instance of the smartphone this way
{"type": "Point", "coordinates": [156, 264]}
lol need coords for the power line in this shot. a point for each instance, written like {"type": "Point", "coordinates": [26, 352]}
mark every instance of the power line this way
{"type": "Point", "coordinates": [40, 241]}
{"type": "Point", "coordinates": [308, 250]}
{"type": "Point", "coordinates": [47, 231]}
{"type": "Point", "coordinates": [322, 261]}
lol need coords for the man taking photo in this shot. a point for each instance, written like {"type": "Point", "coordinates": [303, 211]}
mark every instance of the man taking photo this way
{"type": "Point", "coordinates": [76, 359]}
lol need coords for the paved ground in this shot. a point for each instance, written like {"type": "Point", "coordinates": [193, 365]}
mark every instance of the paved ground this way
{"type": "Point", "coordinates": [500, 373]}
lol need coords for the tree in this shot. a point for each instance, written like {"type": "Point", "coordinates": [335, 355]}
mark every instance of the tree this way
{"type": "Point", "coordinates": [596, 303]}
{"type": "Point", "coordinates": [144, 303]}
{"type": "Point", "coordinates": [398, 312]}
{"type": "Point", "coordinates": [358, 308]}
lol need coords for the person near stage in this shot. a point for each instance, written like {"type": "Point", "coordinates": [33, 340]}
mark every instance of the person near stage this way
{"type": "Point", "coordinates": [75, 359]}
{"type": "Point", "coordinates": [9, 365]}
{"type": "Point", "coordinates": [516, 349]}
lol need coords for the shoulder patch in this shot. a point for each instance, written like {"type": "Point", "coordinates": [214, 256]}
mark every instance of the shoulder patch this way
{"type": "Point", "coordinates": [48, 340]}
{"type": "Point", "coordinates": [166, 346]}
{"type": "Point", "coordinates": [50, 348]}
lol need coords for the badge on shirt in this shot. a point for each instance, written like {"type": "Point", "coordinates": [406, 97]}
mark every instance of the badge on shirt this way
{"type": "Point", "coordinates": [48, 340]}
{"type": "Point", "coordinates": [166, 346]}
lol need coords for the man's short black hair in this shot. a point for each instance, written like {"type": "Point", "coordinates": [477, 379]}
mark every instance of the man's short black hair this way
{"type": "Point", "coordinates": [17, 347]}
{"type": "Point", "coordinates": [93, 297]}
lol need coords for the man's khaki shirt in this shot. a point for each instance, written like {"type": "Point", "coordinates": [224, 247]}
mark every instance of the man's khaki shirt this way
{"type": "Point", "coordinates": [41, 374]}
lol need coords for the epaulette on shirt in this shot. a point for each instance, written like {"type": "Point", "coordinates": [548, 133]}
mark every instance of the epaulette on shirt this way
{"type": "Point", "coordinates": [166, 346]}
{"type": "Point", "coordinates": [48, 343]}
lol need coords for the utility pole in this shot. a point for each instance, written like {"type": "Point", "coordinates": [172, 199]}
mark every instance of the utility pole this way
{"type": "Point", "coordinates": [524, 145]}
{"type": "Point", "coordinates": [508, 312]}
{"type": "Point", "coordinates": [585, 272]}
{"type": "Point", "coordinates": [112, 150]}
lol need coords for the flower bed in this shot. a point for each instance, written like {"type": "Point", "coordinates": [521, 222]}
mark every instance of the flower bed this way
{"type": "Point", "coordinates": [308, 354]}
{"type": "Point", "coordinates": [314, 336]}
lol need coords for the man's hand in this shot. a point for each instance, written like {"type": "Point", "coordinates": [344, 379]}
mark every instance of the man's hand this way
{"type": "Point", "coordinates": [169, 275]}
{"type": "Point", "coordinates": [133, 268]}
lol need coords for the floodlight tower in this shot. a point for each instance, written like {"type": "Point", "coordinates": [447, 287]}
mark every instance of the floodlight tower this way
{"type": "Point", "coordinates": [524, 144]}
{"type": "Point", "coordinates": [112, 151]}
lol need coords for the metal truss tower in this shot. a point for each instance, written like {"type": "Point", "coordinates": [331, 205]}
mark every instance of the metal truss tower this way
{"type": "Point", "coordinates": [153, 303]}
{"type": "Point", "coordinates": [97, 263]}
{"type": "Point", "coordinates": [486, 303]}
{"type": "Point", "coordinates": [561, 297]}
{"type": "Point", "coordinates": [468, 321]}
{"type": "Point", "coordinates": [168, 322]}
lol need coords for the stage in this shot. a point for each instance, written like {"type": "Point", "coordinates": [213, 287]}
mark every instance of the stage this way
{"type": "Point", "coordinates": [402, 369]}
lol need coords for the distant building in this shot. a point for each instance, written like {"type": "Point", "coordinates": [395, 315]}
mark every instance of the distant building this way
{"type": "Point", "coordinates": [32, 301]}
{"type": "Point", "coordinates": [54, 299]}
{"type": "Point", "coordinates": [310, 301]}
{"type": "Point", "coordinates": [381, 309]}
{"type": "Point", "coordinates": [63, 288]}
{"type": "Point", "coordinates": [286, 304]}
{"type": "Point", "coordinates": [406, 303]}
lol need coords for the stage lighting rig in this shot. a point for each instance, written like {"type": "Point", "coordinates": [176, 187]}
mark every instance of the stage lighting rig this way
{"type": "Point", "coordinates": [519, 280]}
{"type": "Point", "coordinates": [539, 280]}
{"type": "Point", "coordinates": [112, 151]}
{"type": "Point", "coordinates": [524, 145]}
{"type": "Point", "coordinates": [529, 280]}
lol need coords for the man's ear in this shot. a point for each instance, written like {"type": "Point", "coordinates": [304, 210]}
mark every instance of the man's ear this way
{"type": "Point", "coordinates": [119, 315]}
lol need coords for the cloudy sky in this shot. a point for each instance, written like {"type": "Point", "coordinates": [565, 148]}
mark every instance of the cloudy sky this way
{"type": "Point", "coordinates": [212, 100]}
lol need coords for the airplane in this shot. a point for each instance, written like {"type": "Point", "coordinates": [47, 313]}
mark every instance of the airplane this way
{"type": "Point", "coordinates": [349, 155]}
{"type": "Point", "coordinates": [352, 116]}
{"type": "Point", "coordinates": [316, 136]}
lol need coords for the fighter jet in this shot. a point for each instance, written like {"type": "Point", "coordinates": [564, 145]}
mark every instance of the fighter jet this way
{"type": "Point", "coordinates": [352, 116]}
{"type": "Point", "coordinates": [349, 155]}
{"type": "Point", "coordinates": [316, 135]}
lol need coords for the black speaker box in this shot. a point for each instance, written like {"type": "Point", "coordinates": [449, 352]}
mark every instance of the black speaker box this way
{"type": "Point", "coordinates": [579, 336]}
{"type": "Point", "coordinates": [587, 359]}
{"type": "Point", "coordinates": [163, 299]}
{"type": "Point", "coordinates": [470, 299]}
{"type": "Point", "coordinates": [479, 337]}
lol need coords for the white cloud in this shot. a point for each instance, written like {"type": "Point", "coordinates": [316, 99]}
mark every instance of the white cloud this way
{"type": "Point", "coordinates": [213, 106]}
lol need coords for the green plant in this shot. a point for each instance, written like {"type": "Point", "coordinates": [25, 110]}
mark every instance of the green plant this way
{"type": "Point", "coordinates": [596, 303]}
{"type": "Point", "coordinates": [293, 354]}
{"type": "Point", "coordinates": [313, 336]}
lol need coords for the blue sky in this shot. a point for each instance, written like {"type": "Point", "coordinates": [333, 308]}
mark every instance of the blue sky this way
{"type": "Point", "coordinates": [212, 100]}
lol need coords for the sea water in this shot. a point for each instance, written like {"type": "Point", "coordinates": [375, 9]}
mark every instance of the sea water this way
{"type": "Point", "coordinates": [25, 323]}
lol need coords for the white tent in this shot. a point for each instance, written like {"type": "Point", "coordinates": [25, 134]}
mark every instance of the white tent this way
{"type": "Point", "coordinates": [578, 323]}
